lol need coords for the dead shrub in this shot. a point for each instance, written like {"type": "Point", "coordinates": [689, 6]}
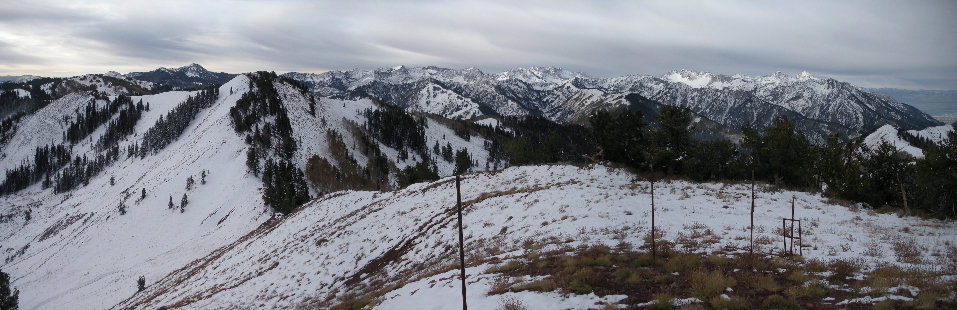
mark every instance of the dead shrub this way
{"type": "Point", "coordinates": [511, 303]}
{"type": "Point", "coordinates": [907, 251]}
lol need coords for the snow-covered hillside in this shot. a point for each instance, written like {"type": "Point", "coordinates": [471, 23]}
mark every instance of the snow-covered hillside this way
{"type": "Point", "coordinates": [888, 134]}
{"type": "Point", "coordinates": [351, 243]}
{"type": "Point", "coordinates": [935, 134]}
{"type": "Point", "coordinates": [77, 251]}
{"type": "Point", "coordinates": [891, 135]}
{"type": "Point", "coordinates": [62, 249]}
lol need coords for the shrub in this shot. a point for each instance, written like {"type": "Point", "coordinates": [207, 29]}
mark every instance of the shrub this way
{"type": "Point", "coordinates": [578, 287]}
{"type": "Point", "coordinates": [503, 268]}
{"type": "Point", "coordinates": [778, 302]}
{"type": "Point", "coordinates": [906, 251]}
{"type": "Point", "coordinates": [543, 285]}
{"type": "Point", "coordinates": [843, 268]}
{"type": "Point", "coordinates": [707, 285]}
{"type": "Point", "coordinates": [719, 302]}
{"type": "Point", "coordinates": [682, 262]}
{"type": "Point", "coordinates": [511, 303]}
{"type": "Point", "coordinates": [662, 302]}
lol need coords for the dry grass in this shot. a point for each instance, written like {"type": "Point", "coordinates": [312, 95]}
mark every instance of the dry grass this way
{"type": "Point", "coordinates": [511, 303]}
{"type": "Point", "coordinates": [907, 251]}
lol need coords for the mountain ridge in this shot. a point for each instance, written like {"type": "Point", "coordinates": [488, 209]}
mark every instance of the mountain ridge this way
{"type": "Point", "coordinates": [567, 97]}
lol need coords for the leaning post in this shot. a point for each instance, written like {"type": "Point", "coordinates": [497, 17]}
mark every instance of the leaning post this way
{"type": "Point", "coordinates": [458, 193]}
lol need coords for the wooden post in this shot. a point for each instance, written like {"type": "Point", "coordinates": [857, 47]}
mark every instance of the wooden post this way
{"type": "Point", "coordinates": [458, 192]}
{"type": "Point", "coordinates": [751, 249]}
{"type": "Point", "coordinates": [654, 248]}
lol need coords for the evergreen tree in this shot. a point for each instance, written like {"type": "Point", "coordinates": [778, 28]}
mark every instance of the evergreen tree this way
{"type": "Point", "coordinates": [252, 161]}
{"type": "Point", "coordinates": [170, 206]}
{"type": "Point", "coordinates": [189, 183]}
{"type": "Point", "coordinates": [463, 162]}
{"type": "Point", "coordinates": [141, 284]}
{"type": "Point", "coordinates": [711, 160]}
{"type": "Point", "coordinates": [9, 297]}
{"type": "Point", "coordinates": [936, 176]}
{"type": "Point", "coordinates": [202, 175]}
{"type": "Point", "coordinates": [143, 194]}
{"type": "Point", "coordinates": [830, 163]}
{"type": "Point", "coordinates": [420, 172]}
{"type": "Point", "coordinates": [672, 138]}
{"type": "Point", "coordinates": [182, 204]}
{"type": "Point", "coordinates": [884, 172]}
{"type": "Point", "coordinates": [447, 152]}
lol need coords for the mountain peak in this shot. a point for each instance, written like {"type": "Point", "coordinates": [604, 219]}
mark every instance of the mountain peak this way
{"type": "Point", "coordinates": [540, 74]}
{"type": "Point", "coordinates": [804, 76]}
{"type": "Point", "coordinates": [691, 78]}
{"type": "Point", "coordinates": [189, 76]}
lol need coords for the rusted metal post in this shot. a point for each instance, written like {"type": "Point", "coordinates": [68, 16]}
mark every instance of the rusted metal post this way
{"type": "Point", "coordinates": [800, 240]}
{"type": "Point", "coordinates": [792, 225]}
{"type": "Point", "coordinates": [751, 249]}
{"type": "Point", "coordinates": [458, 192]}
{"type": "Point", "coordinates": [654, 248]}
{"type": "Point", "coordinates": [784, 233]}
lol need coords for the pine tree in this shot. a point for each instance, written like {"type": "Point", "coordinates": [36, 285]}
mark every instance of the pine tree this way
{"type": "Point", "coordinates": [143, 194]}
{"type": "Point", "coordinates": [463, 162]}
{"type": "Point", "coordinates": [9, 297]}
{"type": "Point", "coordinates": [141, 284]}
{"type": "Point", "coordinates": [672, 138]}
{"type": "Point", "coordinates": [183, 202]}
{"type": "Point", "coordinates": [202, 175]}
{"type": "Point", "coordinates": [252, 161]}
{"type": "Point", "coordinates": [170, 202]}
{"type": "Point", "coordinates": [189, 183]}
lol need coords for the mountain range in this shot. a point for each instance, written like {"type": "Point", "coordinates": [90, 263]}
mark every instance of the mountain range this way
{"type": "Point", "coordinates": [818, 105]}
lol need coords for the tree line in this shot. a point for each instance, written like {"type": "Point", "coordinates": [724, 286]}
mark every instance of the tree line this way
{"type": "Point", "coordinates": [782, 155]}
{"type": "Point", "coordinates": [272, 147]}
{"type": "Point", "coordinates": [169, 127]}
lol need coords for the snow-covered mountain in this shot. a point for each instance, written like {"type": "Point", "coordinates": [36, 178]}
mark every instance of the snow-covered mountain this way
{"type": "Point", "coordinates": [818, 105]}
{"type": "Point", "coordinates": [895, 137]}
{"type": "Point", "coordinates": [216, 244]}
{"type": "Point", "coordinates": [186, 77]}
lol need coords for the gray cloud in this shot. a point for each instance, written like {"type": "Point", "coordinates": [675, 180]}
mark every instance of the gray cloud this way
{"type": "Point", "coordinates": [883, 43]}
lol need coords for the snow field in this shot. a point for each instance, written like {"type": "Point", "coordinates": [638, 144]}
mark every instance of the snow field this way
{"type": "Point", "coordinates": [351, 243]}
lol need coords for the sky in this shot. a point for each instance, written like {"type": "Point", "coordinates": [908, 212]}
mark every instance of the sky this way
{"type": "Point", "coordinates": [902, 44]}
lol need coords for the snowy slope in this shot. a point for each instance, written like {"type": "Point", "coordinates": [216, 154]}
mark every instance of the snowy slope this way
{"type": "Point", "coordinates": [888, 134]}
{"type": "Point", "coordinates": [335, 113]}
{"type": "Point", "coordinates": [77, 245]}
{"type": "Point", "coordinates": [935, 134]}
{"type": "Point", "coordinates": [78, 252]}
{"type": "Point", "coordinates": [44, 127]}
{"type": "Point", "coordinates": [351, 243]}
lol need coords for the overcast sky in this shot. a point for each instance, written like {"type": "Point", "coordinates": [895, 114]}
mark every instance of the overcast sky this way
{"type": "Point", "coordinates": [905, 44]}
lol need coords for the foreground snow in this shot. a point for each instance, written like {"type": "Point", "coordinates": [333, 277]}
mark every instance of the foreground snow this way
{"type": "Point", "coordinates": [351, 243]}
